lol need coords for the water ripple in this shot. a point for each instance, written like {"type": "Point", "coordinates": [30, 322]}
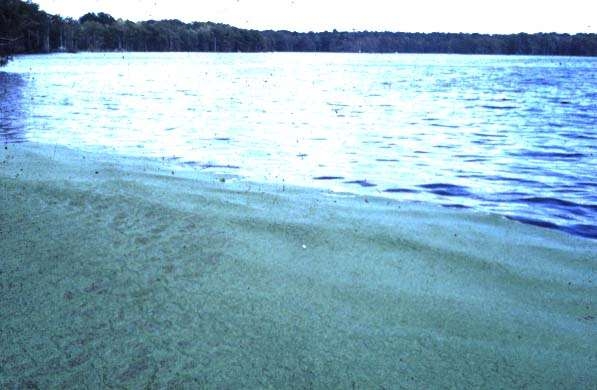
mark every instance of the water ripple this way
{"type": "Point", "coordinates": [519, 141]}
{"type": "Point", "coordinates": [328, 178]}
{"type": "Point", "coordinates": [446, 189]}
{"type": "Point", "coordinates": [362, 183]}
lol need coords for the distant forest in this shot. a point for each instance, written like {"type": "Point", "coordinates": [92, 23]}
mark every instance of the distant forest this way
{"type": "Point", "coordinates": [24, 28]}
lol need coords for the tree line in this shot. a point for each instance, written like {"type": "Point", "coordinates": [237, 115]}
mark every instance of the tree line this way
{"type": "Point", "coordinates": [24, 28]}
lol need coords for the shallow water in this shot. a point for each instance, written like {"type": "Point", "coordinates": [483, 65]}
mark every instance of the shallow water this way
{"type": "Point", "coordinates": [511, 135]}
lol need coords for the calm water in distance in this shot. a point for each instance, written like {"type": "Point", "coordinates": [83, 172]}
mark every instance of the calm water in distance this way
{"type": "Point", "coordinates": [512, 135]}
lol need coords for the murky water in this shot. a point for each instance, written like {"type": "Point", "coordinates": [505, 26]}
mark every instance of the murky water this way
{"type": "Point", "coordinates": [511, 135]}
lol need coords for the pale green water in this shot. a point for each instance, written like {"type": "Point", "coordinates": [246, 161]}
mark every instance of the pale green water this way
{"type": "Point", "coordinates": [119, 273]}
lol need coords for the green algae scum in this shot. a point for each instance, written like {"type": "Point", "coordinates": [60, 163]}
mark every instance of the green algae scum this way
{"type": "Point", "coordinates": [117, 273]}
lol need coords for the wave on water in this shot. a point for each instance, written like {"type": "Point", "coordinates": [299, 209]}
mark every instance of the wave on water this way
{"type": "Point", "coordinates": [328, 178]}
{"type": "Point", "coordinates": [449, 130]}
{"type": "Point", "coordinates": [362, 183]}
{"type": "Point", "coordinates": [490, 107]}
{"type": "Point", "coordinates": [549, 155]}
{"type": "Point", "coordinates": [12, 125]}
{"type": "Point", "coordinates": [446, 189]}
{"type": "Point", "coordinates": [400, 191]}
{"type": "Point", "coordinates": [583, 230]}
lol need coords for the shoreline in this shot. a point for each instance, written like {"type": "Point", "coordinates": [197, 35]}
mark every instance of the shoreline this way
{"type": "Point", "coordinates": [15, 56]}
{"type": "Point", "coordinates": [119, 273]}
{"type": "Point", "coordinates": [544, 194]}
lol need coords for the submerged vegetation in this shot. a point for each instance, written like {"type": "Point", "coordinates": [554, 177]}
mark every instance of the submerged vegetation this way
{"type": "Point", "coordinates": [24, 28]}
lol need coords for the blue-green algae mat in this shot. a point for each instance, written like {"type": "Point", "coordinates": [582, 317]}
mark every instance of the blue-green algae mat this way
{"type": "Point", "coordinates": [125, 273]}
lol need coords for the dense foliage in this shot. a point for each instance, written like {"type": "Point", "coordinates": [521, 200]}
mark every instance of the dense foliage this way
{"type": "Point", "coordinates": [26, 29]}
{"type": "Point", "coordinates": [23, 27]}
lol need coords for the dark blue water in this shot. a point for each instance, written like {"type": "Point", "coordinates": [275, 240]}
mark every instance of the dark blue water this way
{"type": "Point", "coordinates": [12, 116]}
{"type": "Point", "coordinates": [515, 136]}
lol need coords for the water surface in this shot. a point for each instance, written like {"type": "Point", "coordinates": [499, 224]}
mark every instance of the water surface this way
{"type": "Point", "coordinates": [510, 135]}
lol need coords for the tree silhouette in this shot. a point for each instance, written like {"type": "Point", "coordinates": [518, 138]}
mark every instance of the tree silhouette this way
{"type": "Point", "coordinates": [24, 28]}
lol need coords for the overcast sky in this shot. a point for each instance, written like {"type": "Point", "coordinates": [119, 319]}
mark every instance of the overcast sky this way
{"type": "Point", "coordinates": [483, 16]}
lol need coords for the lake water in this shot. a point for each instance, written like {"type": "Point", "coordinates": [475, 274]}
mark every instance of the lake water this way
{"type": "Point", "coordinates": [515, 136]}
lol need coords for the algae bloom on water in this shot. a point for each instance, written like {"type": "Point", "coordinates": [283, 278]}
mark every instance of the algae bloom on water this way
{"type": "Point", "coordinates": [134, 277]}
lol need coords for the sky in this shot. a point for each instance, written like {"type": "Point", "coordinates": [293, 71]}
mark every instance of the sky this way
{"type": "Point", "coordinates": [482, 16]}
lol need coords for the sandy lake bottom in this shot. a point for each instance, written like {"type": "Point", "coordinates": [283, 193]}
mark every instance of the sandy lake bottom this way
{"type": "Point", "coordinates": [125, 272]}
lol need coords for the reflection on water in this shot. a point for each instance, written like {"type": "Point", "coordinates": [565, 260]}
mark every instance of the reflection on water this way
{"type": "Point", "coordinates": [512, 135]}
{"type": "Point", "coordinates": [12, 115]}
